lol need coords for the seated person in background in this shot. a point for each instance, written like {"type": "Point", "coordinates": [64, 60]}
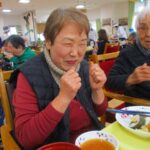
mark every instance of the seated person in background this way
{"type": "Point", "coordinates": [1, 42]}
{"type": "Point", "coordinates": [102, 40]}
{"type": "Point", "coordinates": [16, 52]}
{"type": "Point", "coordinates": [131, 71]}
{"type": "Point", "coordinates": [58, 94]}
{"type": "Point", "coordinates": [131, 38]}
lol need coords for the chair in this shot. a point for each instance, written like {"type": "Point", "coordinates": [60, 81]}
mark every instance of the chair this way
{"type": "Point", "coordinates": [6, 129]}
{"type": "Point", "coordinates": [7, 74]}
{"type": "Point", "coordinates": [128, 99]}
{"type": "Point", "coordinates": [111, 47]}
{"type": "Point", "coordinates": [105, 61]}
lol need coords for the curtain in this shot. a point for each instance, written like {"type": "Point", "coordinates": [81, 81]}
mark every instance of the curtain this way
{"type": "Point", "coordinates": [130, 12]}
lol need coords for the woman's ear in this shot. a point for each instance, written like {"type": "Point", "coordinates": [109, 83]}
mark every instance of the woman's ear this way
{"type": "Point", "coordinates": [48, 44]}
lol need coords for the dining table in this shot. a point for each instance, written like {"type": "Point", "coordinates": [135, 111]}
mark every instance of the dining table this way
{"type": "Point", "coordinates": [127, 140]}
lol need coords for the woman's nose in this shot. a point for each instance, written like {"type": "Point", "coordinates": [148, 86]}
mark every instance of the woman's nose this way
{"type": "Point", "coordinates": [74, 50]}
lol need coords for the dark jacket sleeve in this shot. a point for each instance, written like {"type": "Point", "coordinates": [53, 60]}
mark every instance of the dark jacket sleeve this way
{"type": "Point", "coordinates": [119, 73]}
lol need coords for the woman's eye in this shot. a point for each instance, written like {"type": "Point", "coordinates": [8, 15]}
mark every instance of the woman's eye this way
{"type": "Point", "coordinates": [68, 44]}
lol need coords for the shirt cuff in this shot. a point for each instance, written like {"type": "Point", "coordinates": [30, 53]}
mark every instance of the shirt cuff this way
{"type": "Point", "coordinates": [101, 108]}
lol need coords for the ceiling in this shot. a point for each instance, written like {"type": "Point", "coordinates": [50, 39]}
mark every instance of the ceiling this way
{"type": "Point", "coordinates": [44, 7]}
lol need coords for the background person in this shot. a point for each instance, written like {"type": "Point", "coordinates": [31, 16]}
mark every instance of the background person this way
{"type": "Point", "coordinates": [131, 72]}
{"type": "Point", "coordinates": [16, 52]}
{"type": "Point", "coordinates": [58, 94]}
{"type": "Point", "coordinates": [131, 38]}
{"type": "Point", "coordinates": [102, 40]}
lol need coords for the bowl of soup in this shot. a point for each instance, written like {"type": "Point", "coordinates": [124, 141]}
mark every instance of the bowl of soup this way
{"type": "Point", "coordinates": [59, 146]}
{"type": "Point", "coordinates": [97, 140]}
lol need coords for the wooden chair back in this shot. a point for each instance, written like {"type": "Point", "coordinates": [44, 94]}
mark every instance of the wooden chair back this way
{"type": "Point", "coordinates": [8, 141]}
{"type": "Point", "coordinates": [7, 74]}
{"type": "Point", "coordinates": [105, 61]}
{"type": "Point", "coordinates": [111, 47]}
{"type": "Point", "coordinates": [103, 57]}
{"type": "Point", "coordinates": [5, 101]}
{"type": "Point", "coordinates": [128, 99]}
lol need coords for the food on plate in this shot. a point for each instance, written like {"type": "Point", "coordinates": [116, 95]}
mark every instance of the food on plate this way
{"type": "Point", "coordinates": [137, 121]}
{"type": "Point", "coordinates": [140, 122]}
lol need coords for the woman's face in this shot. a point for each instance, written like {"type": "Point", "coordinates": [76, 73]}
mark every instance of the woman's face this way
{"type": "Point", "coordinates": [69, 47]}
{"type": "Point", "coordinates": [144, 32]}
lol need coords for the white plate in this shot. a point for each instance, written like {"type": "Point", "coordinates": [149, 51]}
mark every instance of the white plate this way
{"type": "Point", "coordinates": [97, 135]}
{"type": "Point", "coordinates": [125, 120]}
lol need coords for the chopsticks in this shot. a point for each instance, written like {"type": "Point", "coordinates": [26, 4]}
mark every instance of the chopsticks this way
{"type": "Point", "coordinates": [130, 112]}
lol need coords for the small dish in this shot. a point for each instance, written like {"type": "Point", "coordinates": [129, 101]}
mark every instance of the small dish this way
{"type": "Point", "coordinates": [97, 135]}
{"type": "Point", "coordinates": [59, 146]}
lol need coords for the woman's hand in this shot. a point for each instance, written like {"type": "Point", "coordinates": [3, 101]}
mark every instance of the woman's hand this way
{"type": "Point", "coordinates": [97, 80]}
{"type": "Point", "coordinates": [70, 83]}
{"type": "Point", "coordinates": [140, 74]}
{"type": "Point", "coordinates": [97, 76]}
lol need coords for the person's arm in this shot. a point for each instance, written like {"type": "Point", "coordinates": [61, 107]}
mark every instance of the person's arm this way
{"type": "Point", "coordinates": [43, 123]}
{"type": "Point", "coordinates": [119, 73]}
{"type": "Point", "coordinates": [101, 108]}
{"type": "Point", "coordinates": [97, 80]}
{"type": "Point", "coordinates": [32, 127]}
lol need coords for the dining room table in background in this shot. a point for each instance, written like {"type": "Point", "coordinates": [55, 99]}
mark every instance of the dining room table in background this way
{"type": "Point", "coordinates": [127, 140]}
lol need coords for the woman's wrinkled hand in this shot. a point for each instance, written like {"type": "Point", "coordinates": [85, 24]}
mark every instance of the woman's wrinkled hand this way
{"type": "Point", "coordinates": [97, 76]}
{"type": "Point", "coordinates": [140, 74]}
{"type": "Point", "coordinates": [70, 83]}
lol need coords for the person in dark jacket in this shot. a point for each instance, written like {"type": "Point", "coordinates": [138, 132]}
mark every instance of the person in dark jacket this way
{"type": "Point", "coordinates": [58, 94]}
{"type": "Point", "coordinates": [102, 40]}
{"type": "Point", "coordinates": [131, 71]}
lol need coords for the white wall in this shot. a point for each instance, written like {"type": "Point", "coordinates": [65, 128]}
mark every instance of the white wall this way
{"type": "Point", "coordinates": [1, 25]}
{"type": "Point", "coordinates": [11, 20]}
{"type": "Point", "coordinates": [114, 11]}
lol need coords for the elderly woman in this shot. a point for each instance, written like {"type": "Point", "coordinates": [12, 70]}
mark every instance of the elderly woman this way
{"type": "Point", "coordinates": [16, 52]}
{"type": "Point", "coordinates": [131, 72]}
{"type": "Point", "coordinates": [59, 95]}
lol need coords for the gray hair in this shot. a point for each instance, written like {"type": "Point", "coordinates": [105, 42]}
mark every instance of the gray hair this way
{"type": "Point", "coordinates": [141, 16]}
{"type": "Point", "coordinates": [61, 17]}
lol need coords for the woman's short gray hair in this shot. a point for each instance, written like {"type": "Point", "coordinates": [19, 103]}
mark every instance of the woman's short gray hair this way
{"type": "Point", "coordinates": [145, 12]}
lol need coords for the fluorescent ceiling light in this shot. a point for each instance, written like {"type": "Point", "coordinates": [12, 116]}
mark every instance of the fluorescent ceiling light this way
{"type": "Point", "coordinates": [24, 1]}
{"type": "Point", "coordinates": [80, 6]}
{"type": "Point", "coordinates": [6, 10]}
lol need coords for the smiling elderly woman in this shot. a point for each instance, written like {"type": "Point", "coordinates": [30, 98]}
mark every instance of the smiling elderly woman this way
{"type": "Point", "coordinates": [131, 72]}
{"type": "Point", "coordinates": [58, 94]}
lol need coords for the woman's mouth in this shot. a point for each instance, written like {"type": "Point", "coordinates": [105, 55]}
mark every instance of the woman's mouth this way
{"type": "Point", "coordinates": [71, 62]}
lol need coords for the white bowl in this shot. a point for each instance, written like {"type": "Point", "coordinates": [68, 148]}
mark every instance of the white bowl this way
{"type": "Point", "coordinates": [97, 135]}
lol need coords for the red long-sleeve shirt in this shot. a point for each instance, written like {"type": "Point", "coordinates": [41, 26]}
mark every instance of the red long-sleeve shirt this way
{"type": "Point", "coordinates": [32, 126]}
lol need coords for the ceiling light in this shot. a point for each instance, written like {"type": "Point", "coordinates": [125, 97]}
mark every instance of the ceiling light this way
{"type": "Point", "coordinates": [80, 6]}
{"type": "Point", "coordinates": [24, 1]}
{"type": "Point", "coordinates": [6, 10]}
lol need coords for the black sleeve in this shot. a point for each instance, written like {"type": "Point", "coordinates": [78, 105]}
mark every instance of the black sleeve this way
{"type": "Point", "coordinates": [119, 73]}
